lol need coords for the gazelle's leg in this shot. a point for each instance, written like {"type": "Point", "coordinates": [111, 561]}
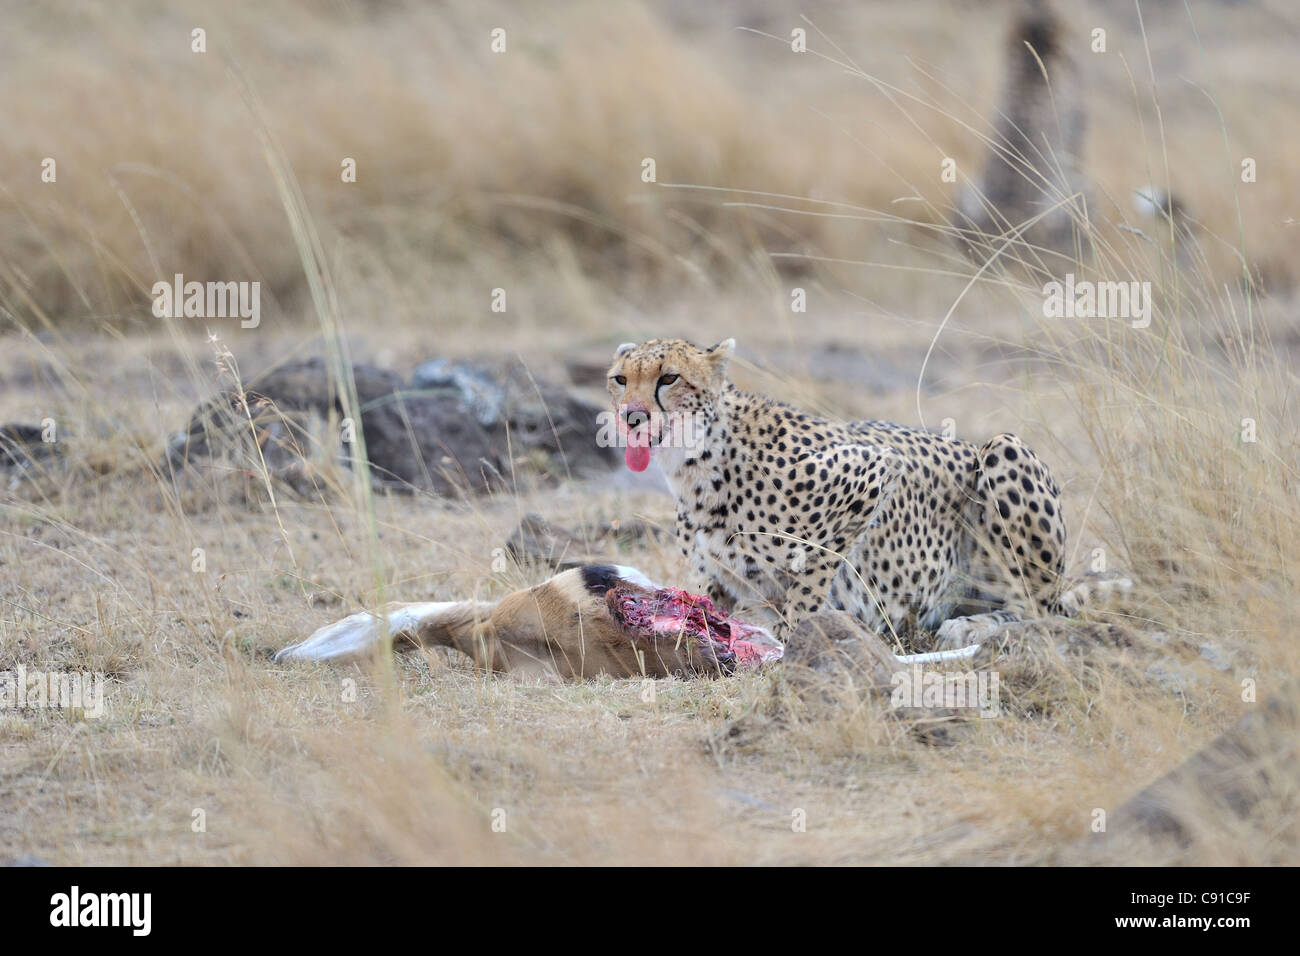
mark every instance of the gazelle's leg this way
{"type": "Point", "coordinates": [359, 635]}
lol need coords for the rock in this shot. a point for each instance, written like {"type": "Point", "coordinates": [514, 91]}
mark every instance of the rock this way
{"type": "Point", "coordinates": [1167, 677]}
{"type": "Point", "coordinates": [747, 799]}
{"type": "Point", "coordinates": [456, 427]}
{"type": "Point", "coordinates": [634, 530]}
{"type": "Point", "coordinates": [23, 446]}
{"type": "Point", "coordinates": [537, 541]}
{"type": "Point", "coordinates": [832, 641]}
{"type": "Point", "coordinates": [1220, 659]}
{"type": "Point", "coordinates": [324, 599]}
{"type": "Point", "coordinates": [475, 391]}
{"type": "Point", "coordinates": [283, 407]}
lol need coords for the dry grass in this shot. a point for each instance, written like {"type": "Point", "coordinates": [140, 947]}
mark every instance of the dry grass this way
{"type": "Point", "coordinates": [522, 171]}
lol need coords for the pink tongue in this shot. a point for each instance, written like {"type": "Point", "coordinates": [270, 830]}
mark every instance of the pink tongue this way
{"type": "Point", "coordinates": [636, 456]}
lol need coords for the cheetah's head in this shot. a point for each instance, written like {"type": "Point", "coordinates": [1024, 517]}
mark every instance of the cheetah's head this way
{"type": "Point", "coordinates": [664, 392]}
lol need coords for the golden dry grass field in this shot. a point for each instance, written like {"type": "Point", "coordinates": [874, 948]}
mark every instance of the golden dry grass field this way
{"type": "Point", "coordinates": [1177, 446]}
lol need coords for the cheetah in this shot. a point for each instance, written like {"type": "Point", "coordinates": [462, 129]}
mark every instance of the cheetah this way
{"type": "Point", "coordinates": [896, 526]}
{"type": "Point", "coordinates": [1034, 186]}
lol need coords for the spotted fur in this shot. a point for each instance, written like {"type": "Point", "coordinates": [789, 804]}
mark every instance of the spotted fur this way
{"type": "Point", "coordinates": [894, 525]}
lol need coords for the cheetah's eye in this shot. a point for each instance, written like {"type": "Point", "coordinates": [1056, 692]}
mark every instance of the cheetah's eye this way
{"type": "Point", "coordinates": [621, 379]}
{"type": "Point", "coordinates": [667, 379]}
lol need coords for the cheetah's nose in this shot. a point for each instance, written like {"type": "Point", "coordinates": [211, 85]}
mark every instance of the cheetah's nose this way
{"type": "Point", "coordinates": [636, 418]}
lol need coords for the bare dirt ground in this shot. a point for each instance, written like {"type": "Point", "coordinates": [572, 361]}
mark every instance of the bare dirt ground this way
{"type": "Point", "coordinates": [429, 761]}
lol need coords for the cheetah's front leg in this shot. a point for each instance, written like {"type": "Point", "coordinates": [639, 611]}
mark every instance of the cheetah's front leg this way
{"type": "Point", "coordinates": [809, 582]}
{"type": "Point", "coordinates": [706, 579]}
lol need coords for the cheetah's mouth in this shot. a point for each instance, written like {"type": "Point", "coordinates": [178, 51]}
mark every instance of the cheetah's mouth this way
{"type": "Point", "coordinates": [636, 453]}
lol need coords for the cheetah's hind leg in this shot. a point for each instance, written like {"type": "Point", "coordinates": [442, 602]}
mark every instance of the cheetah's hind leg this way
{"type": "Point", "coordinates": [1095, 587]}
{"type": "Point", "coordinates": [976, 629]}
{"type": "Point", "coordinates": [1017, 540]}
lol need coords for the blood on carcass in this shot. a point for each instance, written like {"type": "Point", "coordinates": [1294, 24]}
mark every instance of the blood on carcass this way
{"type": "Point", "coordinates": [723, 643]}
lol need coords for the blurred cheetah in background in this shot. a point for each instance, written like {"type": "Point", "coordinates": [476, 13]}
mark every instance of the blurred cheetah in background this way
{"type": "Point", "coordinates": [1034, 168]}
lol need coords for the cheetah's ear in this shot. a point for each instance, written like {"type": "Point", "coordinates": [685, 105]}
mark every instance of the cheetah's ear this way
{"type": "Point", "coordinates": [717, 357]}
{"type": "Point", "coordinates": [624, 349]}
{"type": "Point", "coordinates": [721, 352]}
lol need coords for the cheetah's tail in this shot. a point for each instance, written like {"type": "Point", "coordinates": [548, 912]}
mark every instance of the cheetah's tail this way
{"type": "Point", "coordinates": [1095, 587]}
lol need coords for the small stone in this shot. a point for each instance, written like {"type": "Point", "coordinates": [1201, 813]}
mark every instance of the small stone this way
{"type": "Point", "coordinates": [1218, 658]}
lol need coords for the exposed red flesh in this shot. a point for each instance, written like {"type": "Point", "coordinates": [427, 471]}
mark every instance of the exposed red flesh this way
{"type": "Point", "coordinates": [671, 613]}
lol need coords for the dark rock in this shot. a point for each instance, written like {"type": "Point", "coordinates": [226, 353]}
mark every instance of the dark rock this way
{"type": "Point", "coordinates": [475, 390]}
{"type": "Point", "coordinates": [832, 641]}
{"type": "Point", "coordinates": [22, 446]}
{"type": "Point", "coordinates": [455, 427]}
